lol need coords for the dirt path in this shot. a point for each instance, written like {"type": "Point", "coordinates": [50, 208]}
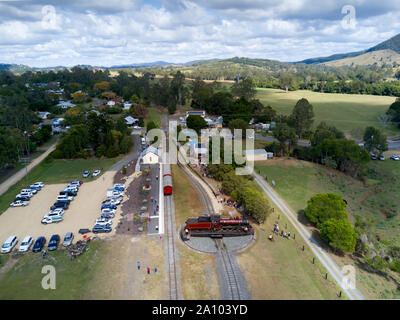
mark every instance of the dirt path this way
{"type": "Point", "coordinates": [22, 173]}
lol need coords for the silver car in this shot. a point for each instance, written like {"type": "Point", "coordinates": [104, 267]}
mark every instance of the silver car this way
{"type": "Point", "coordinates": [68, 239]}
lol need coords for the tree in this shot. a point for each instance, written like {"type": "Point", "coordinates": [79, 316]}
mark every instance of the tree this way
{"type": "Point", "coordinates": [339, 234]}
{"type": "Point", "coordinates": [201, 94]}
{"type": "Point", "coordinates": [394, 111]}
{"type": "Point", "coordinates": [384, 119]}
{"type": "Point", "coordinates": [286, 137]}
{"type": "Point", "coordinates": [178, 89]}
{"type": "Point", "coordinates": [196, 123]}
{"type": "Point", "coordinates": [286, 80]}
{"type": "Point", "coordinates": [245, 88]}
{"type": "Point", "coordinates": [138, 111]}
{"type": "Point", "coordinates": [239, 124]}
{"type": "Point", "coordinates": [374, 140]}
{"type": "Point", "coordinates": [397, 75]}
{"type": "Point", "coordinates": [324, 206]}
{"type": "Point", "coordinates": [302, 117]}
{"type": "Point", "coordinates": [323, 131]}
{"type": "Point", "coordinates": [150, 125]}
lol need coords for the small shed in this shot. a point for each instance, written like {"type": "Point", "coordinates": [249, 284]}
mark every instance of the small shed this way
{"type": "Point", "coordinates": [255, 155]}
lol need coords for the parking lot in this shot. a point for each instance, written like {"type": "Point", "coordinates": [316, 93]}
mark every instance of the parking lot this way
{"type": "Point", "coordinates": [82, 212]}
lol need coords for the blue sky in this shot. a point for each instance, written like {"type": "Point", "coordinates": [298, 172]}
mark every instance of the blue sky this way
{"type": "Point", "coordinates": [69, 32]}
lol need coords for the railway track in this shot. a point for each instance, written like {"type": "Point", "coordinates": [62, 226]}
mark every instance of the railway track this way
{"type": "Point", "coordinates": [171, 250]}
{"type": "Point", "coordinates": [229, 270]}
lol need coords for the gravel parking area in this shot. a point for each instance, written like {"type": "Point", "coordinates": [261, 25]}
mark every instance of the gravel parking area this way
{"type": "Point", "coordinates": [82, 212]}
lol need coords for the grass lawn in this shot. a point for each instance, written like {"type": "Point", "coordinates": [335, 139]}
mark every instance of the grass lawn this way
{"type": "Point", "coordinates": [198, 277]}
{"type": "Point", "coordinates": [281, 269]}
{"type": "Point", "coordinates": [377, 199]}
{"type": "Point", "coordinates": [56, 171]}
{"type": "Point", "coordinates": [345, 111]}
{"type": "Point", "coordinates": [153, 114]}
{"type": "Point", "coordinates": [23, 280]}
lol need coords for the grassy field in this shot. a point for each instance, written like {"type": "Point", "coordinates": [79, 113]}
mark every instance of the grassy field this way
{"type": "Point", "coordinates": [153, 114]}
{"type": "Point", "coordinates": [377, 198]}
{"type": "Point", "coordinates": [198, 277]}
{"type": "Point", "coordinates": [349, 113]}
{"type": "Point", "coordinates": [281, 269]}
{"type": "Point", "coordinates": [56, 171]}
{"type": "Point", "coordinates": [23, 280]}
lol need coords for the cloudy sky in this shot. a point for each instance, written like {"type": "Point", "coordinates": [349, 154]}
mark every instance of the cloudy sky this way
{"type": "Point", "coordinates": [113, 32]}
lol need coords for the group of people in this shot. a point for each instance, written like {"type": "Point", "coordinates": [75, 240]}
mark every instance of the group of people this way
{"type": "Point", "coordinates": [282, 233]}
{"type": "Point", "coordinates": [148, 268]}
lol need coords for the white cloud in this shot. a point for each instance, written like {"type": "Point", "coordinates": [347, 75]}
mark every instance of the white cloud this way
{"type": "Point", "coordinates": [120, 32]}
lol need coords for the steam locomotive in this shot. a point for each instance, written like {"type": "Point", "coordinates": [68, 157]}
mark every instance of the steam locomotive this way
{"type": "Point", "coordinates": [215, 226]}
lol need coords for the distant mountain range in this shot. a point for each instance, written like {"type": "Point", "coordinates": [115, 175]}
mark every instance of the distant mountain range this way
{"type": "Point", "coordinates": [385, 52]}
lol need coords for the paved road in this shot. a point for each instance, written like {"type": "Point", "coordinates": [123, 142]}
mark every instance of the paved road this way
{"type": "Point", "coordinates": [319, 252]}
{"type": "Point", "coordinates": [272, 139]}
{"type": "Point", "coordinates": [392, 145]}
{"type": "Point", "coordinates": [23, 172]}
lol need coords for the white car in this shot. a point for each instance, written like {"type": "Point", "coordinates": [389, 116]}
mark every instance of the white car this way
{"type": "Point", "coordinates": [71, 187]}
{"type": "Point", "coordinates": [57, 211]}
{"type": "Point", "coordinates": [9, 244]}
{"type": "Point", "coordinates": [25, 194]}
{"type": "Point", "coordinates": [34, 191]}
{"type": "Point", "coordinates": [96, 173]}
{"type": "Point", "coordinates": [395, 157]}
{"type": "Point", "coordinates": [39, 184]}
{"type": "Point", "coordinates": [104, 221]}
{"type": "Point", "coordinates": [19, 203]}
{"type": "Point", "coordinates": [108, 211]}
{"type": "Point", "coordinates": [26, 244]}
{"type": "Point", "coordinates": [65, 197]}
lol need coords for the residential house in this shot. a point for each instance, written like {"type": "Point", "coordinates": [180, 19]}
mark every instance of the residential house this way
{"type": "Point", "coordinates": [151, 155]}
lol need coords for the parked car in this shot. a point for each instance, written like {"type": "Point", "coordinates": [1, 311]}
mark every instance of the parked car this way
{"type": "Point", "coordinates": [86, 174]}
{"type": "Point", "coordinates": [100, 229]}
{"type": "Point", "coordinates": [373, 156]}
{"type": "Point", "coordinates": [395, 157]}
{"type": "Point", "coordinates": [52, 219]}
{"type": "Point", "coordinates": [25, 194]}
{"type": "Point", "coordinates": [39, 244]}
{"type": "Point", "coordinates": [68, 193]}
{"type": "Point", "coordinates": [108, 215]}
{"type": "Point", "coordinates": [33, 191]}
{"type": "Point", "coordinates": [25, 244]}
{"type": "Point", "coordinates": [40, 184]}
{"type": "Point", "coordinates": [60, 204]}
{"type": "Point", "coordinates": [58, 211]}
{"type": "Point", "coordinates": [108, 210]}
{"type": "Point", "coordinates": [19, 203]}
{"type": "Point", "coordinates": [71, 188]}
{"type": "Point", "coordinates": [53, 243]}
{"type": "Point", "coordinates": [382, 157]}
{"type": "Point", "coordinates": [96, 173]}
{"type": "Point", "coordinates": [79, 182]}
{"type": "Point", "coordinates": [9, 244]}
{"type": "Point", "coordinates": [104, 222]}
{"type": "Point", "coordinates": [119, 187]}
{"type": "Point", "coordinates": [69, 236]}
{"type": "Point", "coordinates": [35, 186]}
{"type": "Point", "coordinates": [109, 206]}
{"type": "Point", "coordinates": [65, 197]}
{"type": "Point", "coordinates": [21, 198]}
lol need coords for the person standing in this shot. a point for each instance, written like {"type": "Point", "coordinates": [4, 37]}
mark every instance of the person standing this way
{"type": "Point", "coordinates": [155, 270]}
{"type": "Point", "coordinates": [148, 270]}
{"type": "Point", "coordinates": [138, 265]}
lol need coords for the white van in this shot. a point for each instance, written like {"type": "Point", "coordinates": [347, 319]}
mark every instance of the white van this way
{"type": "Point", "coordinates": [9, 244]}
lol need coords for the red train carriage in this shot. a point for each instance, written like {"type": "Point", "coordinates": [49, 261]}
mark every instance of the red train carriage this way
{"type": "Point", "coordinates": [167, 181]}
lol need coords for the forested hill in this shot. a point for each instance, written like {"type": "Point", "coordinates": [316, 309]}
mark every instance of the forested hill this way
{"type": "Point", "coordinates": [391, 44]}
